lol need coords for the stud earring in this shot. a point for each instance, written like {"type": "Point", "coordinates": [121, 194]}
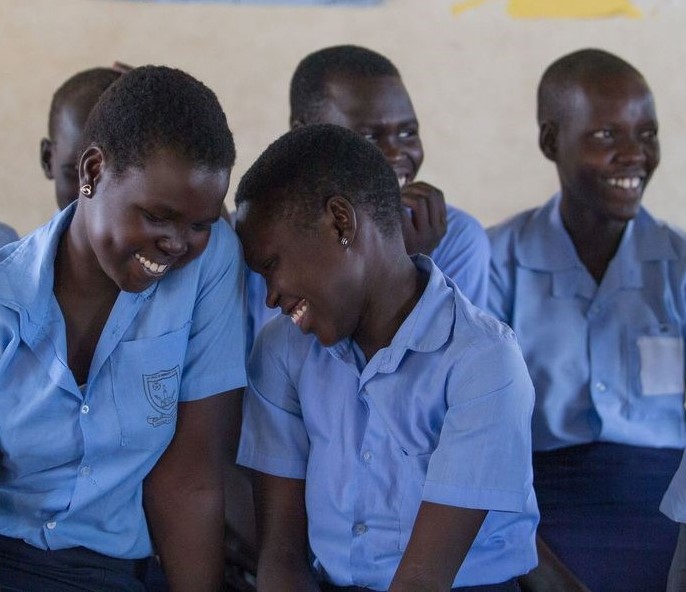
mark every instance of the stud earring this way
{"type": "Point", "coordinates": [344, 241]}
{"type": "Point", "coordinates": [86, 189]}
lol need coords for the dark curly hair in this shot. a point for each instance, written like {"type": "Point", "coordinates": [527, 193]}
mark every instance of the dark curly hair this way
{"type": "Point", "coordinates": [82, 90]}
{"type": "Point", "coordinates": [308, 84]}
{"type": "Point", "coordinates": [154, 108]}
{"type": "Point", "coordinates": [299, 172]}
{"type": "Point", "coordinates": [568, 71]}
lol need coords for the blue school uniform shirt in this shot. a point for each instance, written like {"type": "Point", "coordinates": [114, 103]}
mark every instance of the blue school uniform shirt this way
{"type": "Point", "coordinates": [7, 234]}
{"type": "Point", "coordinates": [72, 460]}
{"type": "Point", "coordinates": [463, 254]}
{"type": "Point", "coordinates": [607, 361]}
{"type": "Point", "coordinates": [441, 415]}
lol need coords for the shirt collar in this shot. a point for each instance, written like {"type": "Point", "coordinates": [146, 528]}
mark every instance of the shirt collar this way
{"type": "Point", "coordinates": [426, 329]}
{"type": "Point", "coordinates": [545, 245]}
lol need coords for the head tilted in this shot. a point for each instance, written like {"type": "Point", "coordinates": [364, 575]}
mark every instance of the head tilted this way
{"type": "Point", "coordinates": [299, 172]}
{"type": "Point", "coordinates": [156, 109]}
{"type": "Point", "coordinates": [571, 70]}
{"type": "Point", "coordinates": [308, 84]}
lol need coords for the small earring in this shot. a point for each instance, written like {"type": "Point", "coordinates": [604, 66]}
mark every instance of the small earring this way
{"type": "Point", "coordinates": [344, 241]}
{"type": "Point", "coordinates": [86, 189]}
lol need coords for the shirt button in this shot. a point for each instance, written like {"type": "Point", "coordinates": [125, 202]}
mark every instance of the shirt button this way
{"type": "Point", "coordinates": [51, 525]}
{"type": "Point", "coordinates": [367, 456]}
{"type": "Point", "coordinates": [85, 409]}
{"type": "Point", "coordinates": [85, 471]}
{"type": "Point", "coordinates": [360, 528]}
{"type": "Point", "coordinates": [601, 386]}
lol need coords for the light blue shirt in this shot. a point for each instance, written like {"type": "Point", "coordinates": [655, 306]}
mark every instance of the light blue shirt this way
{"type": "Point", "coordinates": [72, 461]}
{"type": "Point", "coordinates": [463, 254]}
{"type": "Point", "coordinates": [442, 414]}
{"type": "Point", "coordinates": [607, 361]}
{"type": "Point", "coordinates": [7, 234]}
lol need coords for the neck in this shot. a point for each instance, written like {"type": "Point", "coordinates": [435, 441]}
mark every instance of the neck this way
{"type": "Point", "coordinates": [398, 286]}
{"type": "Point", "coordinates": [595, 238]}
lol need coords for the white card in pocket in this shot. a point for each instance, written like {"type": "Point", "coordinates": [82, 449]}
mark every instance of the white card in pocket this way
{"type": "Point", "coordinates": [662, 365]}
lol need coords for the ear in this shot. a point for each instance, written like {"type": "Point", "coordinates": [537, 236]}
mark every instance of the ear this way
{"type": "Point", "coordinates": [91, 166]}
{"type": "Point", "coordinates": [46, 158]}
{"type": "Point", "coordinates": [547, 139]}
{"type": "Point", "coordinates": [343, 219]}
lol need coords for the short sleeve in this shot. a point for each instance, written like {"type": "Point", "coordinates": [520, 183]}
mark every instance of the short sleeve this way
{"type": "Point", "coordinates": [215, 356]}
{"type": "Point", "coordinates": [483, 458]}
{"type": "Point", "coordinates": [273, 436]}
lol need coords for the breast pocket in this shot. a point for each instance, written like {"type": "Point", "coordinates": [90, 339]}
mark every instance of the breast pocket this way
{"type": "Point", "coordinates": [414, 473]}
{"type": "Point", "coordinates": [660, 352]}
{"type": "Point", "coordinates": [146, 376]}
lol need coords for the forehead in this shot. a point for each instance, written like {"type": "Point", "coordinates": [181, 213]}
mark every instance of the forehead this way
{"type": "Point", "coordinates": [367, 99]}
{"type": "Point", "coordinates": [262, 233]}
{"type": "Point", "coordinates": [615, 98]}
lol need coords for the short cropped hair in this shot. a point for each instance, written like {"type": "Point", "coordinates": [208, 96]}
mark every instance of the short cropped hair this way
{"type": "Point", "coordinates": [82, 90]}
{"type": "Point", "coordinates": [566, 72]}
{"type": "Point", "coordinates": [308, 84]}
{"type": "Point", "coordinates": [155, 108]}
{"type": "Point", "coordinates": [296, 175]}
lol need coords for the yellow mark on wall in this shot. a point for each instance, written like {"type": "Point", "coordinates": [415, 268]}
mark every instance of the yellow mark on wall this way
{"type": "Point", "coordinates": [459, 7]}
{"type": "Point", "coordinates": [573, 9]}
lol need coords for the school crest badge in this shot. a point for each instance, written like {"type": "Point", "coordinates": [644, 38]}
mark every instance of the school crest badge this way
{"type": "Point", "coordinates": [162, 392]}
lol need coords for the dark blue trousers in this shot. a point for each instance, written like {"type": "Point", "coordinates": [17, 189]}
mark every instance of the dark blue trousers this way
{"type": "Point", "coordinates": [24, 568]}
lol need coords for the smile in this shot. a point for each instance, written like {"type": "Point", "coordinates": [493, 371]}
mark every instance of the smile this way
{"type": "Point", "coordinates": [625, 182]}
{"type": "Point", "coordinates": [298, 311]}
{"type": "Point", "coordinates": [151, 266]}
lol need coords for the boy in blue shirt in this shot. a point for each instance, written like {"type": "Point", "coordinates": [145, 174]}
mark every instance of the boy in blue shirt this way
{"type": "Point", "coordinates": [594, 287]}
{"type": "Point", "coordinates": [386, 417]}
{"type": "Point", "coordinates": [122, 353]}
{"type": "Point", "coordinates": [362, 90]}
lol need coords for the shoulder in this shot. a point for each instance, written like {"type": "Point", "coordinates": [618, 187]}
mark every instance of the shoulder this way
{"type": "Point", "coordinates": [463, 225]}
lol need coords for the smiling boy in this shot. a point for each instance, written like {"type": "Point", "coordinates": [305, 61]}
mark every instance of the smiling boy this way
{"type": "Point", "coordinates": [594, 288]}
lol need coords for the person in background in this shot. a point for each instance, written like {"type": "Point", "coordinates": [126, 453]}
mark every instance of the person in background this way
{"type": "Point", "coordinates": [593, 287]}
{"type": "Point", "coordinates": [122, 354]}
{"type": "Point", "coordinates": [70, 106]}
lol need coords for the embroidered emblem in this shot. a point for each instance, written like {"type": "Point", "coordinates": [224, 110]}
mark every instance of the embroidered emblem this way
{"type": "Point", "coordinates": [162, 392]}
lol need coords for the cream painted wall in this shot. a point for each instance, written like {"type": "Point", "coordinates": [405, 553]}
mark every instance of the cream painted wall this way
{"type": "Point", "coordinates": [472, 79]}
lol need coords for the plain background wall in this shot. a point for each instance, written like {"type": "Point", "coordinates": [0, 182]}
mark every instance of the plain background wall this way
{"type": "Point", "coordinates": [472, 78]}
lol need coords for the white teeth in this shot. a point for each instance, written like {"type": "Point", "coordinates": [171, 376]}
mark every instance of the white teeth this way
{"type": "Point", "coordinates": [157, 268]}
{"type": "Point", "coordinates": [298, 313]}
{"type": "Point", "coordinates": [625, 182]}
{"type": "Point", "coordinates": [402, 180]}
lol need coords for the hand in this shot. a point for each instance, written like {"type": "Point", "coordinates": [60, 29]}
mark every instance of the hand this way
{"type": "Point", "coordinates": [424, 217]}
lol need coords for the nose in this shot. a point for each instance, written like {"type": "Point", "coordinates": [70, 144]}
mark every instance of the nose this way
{"type": "Point", "coordinates": [272, 298]}
{"type": "Point", "coordinates": [631, 150]}
{"type": "Point", "coordinates": [391, 149]}
{"type": "Point", "coordinates": [174, 243]}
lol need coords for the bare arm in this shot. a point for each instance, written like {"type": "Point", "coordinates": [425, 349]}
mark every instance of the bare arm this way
{"type": "Point", "coordinates": [551, 575]}
{"type": "Point", "coordinates": [283, 564]}
{"type": "Point", "coordinates": [184, 493]}
{"type": "Point", "coordinates": [441, 537]}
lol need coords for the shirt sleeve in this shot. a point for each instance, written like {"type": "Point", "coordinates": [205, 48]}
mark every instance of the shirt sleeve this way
{"type": "Point", "coordinates": [483, 457]}
{"type": "Point", "coordinates": [273, 436]}
{"type": "Point", "coordinates": [464, 254]}
{"type": "Point", "coordinates": [215, 356]}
